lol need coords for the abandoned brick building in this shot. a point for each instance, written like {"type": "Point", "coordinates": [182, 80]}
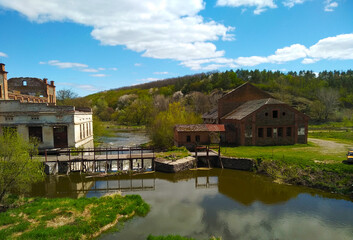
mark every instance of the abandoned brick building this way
{"type": "Point", "coordinates": [28, 105]}
{"type": "Point", "coordinates": [253, 117]}
{"type": "Point", "coordinates": [26, 89]}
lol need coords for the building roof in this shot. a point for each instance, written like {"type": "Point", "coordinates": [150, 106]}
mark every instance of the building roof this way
{"type": "Point", "coordinates": [250, 107]}
{"type": "Point", "coordinates": [200, 128]}
{"type": "Point", "coordinates": [213, 114]}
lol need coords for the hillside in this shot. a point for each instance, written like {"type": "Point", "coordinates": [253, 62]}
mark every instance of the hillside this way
{"type": "Point", "coordinates": [325, 96]}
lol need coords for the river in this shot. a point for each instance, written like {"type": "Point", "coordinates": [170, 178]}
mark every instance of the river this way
{"type": "Point", "coordinates": [223, 203]}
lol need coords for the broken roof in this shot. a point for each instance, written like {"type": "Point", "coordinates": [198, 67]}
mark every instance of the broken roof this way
{"type": "Point", "coordinates": [200, 128]}
{"type": "Point", "coordinates": [250, 107]}
{"type": "Point", "coordinates": [213, 114]}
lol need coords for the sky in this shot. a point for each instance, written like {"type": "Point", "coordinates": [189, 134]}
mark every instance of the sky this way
{"type": "Point", "coordinates": [95, 45]}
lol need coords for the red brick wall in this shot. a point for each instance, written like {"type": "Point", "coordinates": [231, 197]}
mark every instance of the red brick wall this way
{"type": "Point", "coordinates": [239, 96]}
{"type": "Point", "coordinates": [180, 138]}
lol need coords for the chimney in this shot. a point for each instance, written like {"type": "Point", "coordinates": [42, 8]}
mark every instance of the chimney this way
{"type": "Point", "coordinates": [52, 83]}
{"type": "Point", "coordinates": [2, 67]}
{"type": "Point", "coordinates": [45, 80]}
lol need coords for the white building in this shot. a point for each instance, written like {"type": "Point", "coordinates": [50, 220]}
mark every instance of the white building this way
{"type": "Point", "coordinates": [53, 126]}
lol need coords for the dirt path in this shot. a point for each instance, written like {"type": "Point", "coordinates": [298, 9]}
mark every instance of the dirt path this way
{"type": "Point", "coordinates": [328, 146]}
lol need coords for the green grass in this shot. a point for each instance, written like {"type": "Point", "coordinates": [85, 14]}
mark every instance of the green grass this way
{"type": "Point", "coordinates": [344, 136]}
{"type": "Point", "coordinates": [64, 218]}
{"type": "Point", "coordinates": [174, 153]}
{"type": "Point", "coordinates": [302, 164]}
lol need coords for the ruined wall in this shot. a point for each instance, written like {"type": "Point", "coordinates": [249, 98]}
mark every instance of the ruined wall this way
{"type": "Point", "coordinates": [33, 87]}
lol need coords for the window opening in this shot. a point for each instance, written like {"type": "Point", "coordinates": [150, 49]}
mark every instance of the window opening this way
{"type": "Point", "coordinates": [260, 132]}
{"type": "Point", "coordinates": [269, 132]}
{"type": "Point", "coordinates": [275, 114]}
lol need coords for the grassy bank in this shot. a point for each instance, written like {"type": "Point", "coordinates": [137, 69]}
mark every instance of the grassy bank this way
{"type": "Point", "coordinates": [64, 218]}
{"type": "Point", "coordinates": [302, 164]}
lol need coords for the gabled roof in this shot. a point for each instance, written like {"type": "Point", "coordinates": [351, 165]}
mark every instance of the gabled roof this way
{"type": "Point", "coordinates": [250, 107]}
{"type": "Point", "coordinates": [246, 85]}
{"type": "Point", "coordinates": [200, 128]}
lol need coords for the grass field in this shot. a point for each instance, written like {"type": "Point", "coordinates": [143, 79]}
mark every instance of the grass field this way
{"type": "Point", "coordinates": [309, 164]}
{"type": "Point", "coordinates": [64, 218]}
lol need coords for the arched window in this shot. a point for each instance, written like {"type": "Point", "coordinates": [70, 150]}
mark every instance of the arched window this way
{"type": "Point", "coordinates": [24, 83]}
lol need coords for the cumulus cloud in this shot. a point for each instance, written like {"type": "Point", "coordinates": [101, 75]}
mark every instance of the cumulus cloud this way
{"type": "Point", "coordinates": [339, 47]}
{"type": "Point", "coordinates": [330, 5]}
{"type": "Point", "coordinates": [162, 29]}
{"type": "Point", "coordinates": [292, 3]}
{"type": "Point", "coordinates": [260, 5]}
{"type": "Point", "coordinates": [148, 80]}
{"type": "Point", "coordinates": [3, 54]}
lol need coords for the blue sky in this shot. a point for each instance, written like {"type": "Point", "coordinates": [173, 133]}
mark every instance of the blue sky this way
{"type": "Point", "coordinates": [95, 45]}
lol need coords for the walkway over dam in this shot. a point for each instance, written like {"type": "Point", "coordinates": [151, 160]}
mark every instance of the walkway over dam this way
{"type": "Point", "coordinates": [98, 160]}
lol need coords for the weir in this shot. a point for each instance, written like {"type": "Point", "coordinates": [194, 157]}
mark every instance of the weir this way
{"type": "Point", "coordinates": [92, 160]}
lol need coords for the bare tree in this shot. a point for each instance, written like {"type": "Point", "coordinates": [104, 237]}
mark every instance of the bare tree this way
{"type": "Point", "coordinates": [330, 99]}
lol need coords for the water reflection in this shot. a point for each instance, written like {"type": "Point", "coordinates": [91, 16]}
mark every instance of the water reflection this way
{"type": "Point", "coordinates": [227, 203]}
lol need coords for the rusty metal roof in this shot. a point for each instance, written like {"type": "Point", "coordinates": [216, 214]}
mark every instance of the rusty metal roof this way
{"type": "Point", "coordinates": [250, 107]}
{"type": "Point", "coordinates": [216, 127]}
{"type": "Point", "coordinates": [200, 128]}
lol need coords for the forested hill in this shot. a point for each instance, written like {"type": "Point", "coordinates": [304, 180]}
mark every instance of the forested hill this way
{"type": "Point", "coordinates": [324, 95]}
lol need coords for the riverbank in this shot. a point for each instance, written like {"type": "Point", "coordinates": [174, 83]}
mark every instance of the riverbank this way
{"type": "Point", "coordinates": [318, 164]}
{"type": "Point", "coordinates": [66, 218]}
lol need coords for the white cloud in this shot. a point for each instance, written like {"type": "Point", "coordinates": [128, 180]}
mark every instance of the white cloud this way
{"type": "Point", "coordinates": [330, 6]}
{"type": "Point", "coordinates": [99, 75]}
{"type": "Point", "coordinates": [64, 64]}
{"type": "Point", "coordinates": [3, 54]}
{"type": "Point", "coordinates": [137, 64]}
{"type": "Point", "coordinates": [291, 3]}
{"type": "Point", "coordinates": [163, 29]}
{"type": "Point", "coordinates": [339, 47]}
{"type": "Point", "coordinates": [101, 69]}
{"type": "Point", "coordinates": [113, 69]}
{"type": "Point", "coordinates": [260, 5]}
{"type": "Point", "coordinates": [148, 80]}
{"type": "Point", "coordinates": [87, 87]}
{"type": "Point", "coordinates": [161, 73]}
{"type": "Point", "coordinates": [89, 70]}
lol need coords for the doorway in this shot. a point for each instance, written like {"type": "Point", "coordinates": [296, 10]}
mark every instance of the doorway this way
{"type": "Point", "coordinates": [60, 137]}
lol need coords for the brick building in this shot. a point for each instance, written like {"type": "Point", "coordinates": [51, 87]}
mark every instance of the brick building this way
{"type": "Point", "coordinates": [253, 117]}
{"type": "Point", "coordinates": [195, 134]}
{"type": "Point", "coordinates": [24, 89]}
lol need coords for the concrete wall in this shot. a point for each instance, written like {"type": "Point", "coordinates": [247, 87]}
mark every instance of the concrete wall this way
{"type": "Point", "coordinates": [24, 115]}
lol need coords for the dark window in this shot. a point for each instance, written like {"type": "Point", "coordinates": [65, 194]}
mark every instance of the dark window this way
{"type": "Point", "coordinates": [289, 131]}
{"type": "Point", "coordinates": [197, 138]}
{"type": "Point", "coordinates": [284, 114]}
{"type": "Point", "coordinates": [280, 132]}
{"type": "Point", "coordinates": [0, 92]}
{"type": "Point", "coordinates": [266, 114]}
{"type": "Point", "coordinates": [35, 132]}
{"type": "Point", "coordinates": [188, 138]}
{"type": "Point", "coordinates": [275, 114]}
{"type": "Point", "coordinates": [260, 132]}
{"type": "Point", "coordinates": [269, 132]}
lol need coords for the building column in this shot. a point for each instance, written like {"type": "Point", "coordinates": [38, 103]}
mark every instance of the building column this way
{"type": "Point", "coordinates": [23, 131]}
{"type": "Point", "coordinates": [48, 137]}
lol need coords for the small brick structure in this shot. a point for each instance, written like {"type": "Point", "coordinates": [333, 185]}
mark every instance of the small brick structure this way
{"type": "Point", "coordinates": [196, 134]}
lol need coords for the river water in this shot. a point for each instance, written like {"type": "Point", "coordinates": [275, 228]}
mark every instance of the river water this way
{"type": "Point", "coordinates": [223, 203]}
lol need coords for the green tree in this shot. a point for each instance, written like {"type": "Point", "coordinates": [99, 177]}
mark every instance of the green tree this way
{"type": "Point", "coordinates": [161, 129]}
{"type": "Point", "coordinates": [18, 170]}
